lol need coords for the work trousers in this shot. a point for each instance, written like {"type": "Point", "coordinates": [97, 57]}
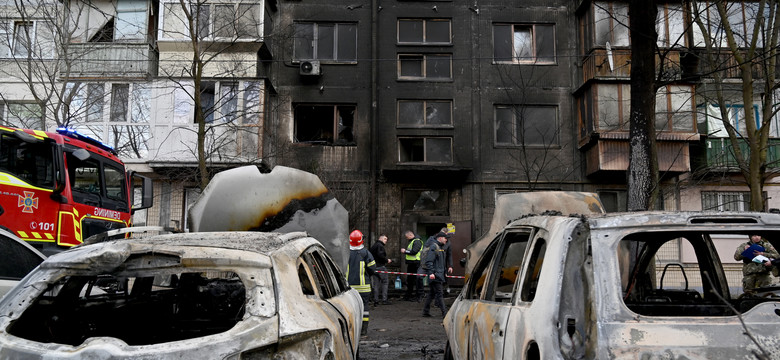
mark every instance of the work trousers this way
{"type": "Point", "coordinates": [379, 284]}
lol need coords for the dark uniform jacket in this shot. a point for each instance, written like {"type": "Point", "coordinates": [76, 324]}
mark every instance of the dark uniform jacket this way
{"type": "Point", "coordinates": [435, 261]}
{"type": "Point", "coordinates": [360, 267]}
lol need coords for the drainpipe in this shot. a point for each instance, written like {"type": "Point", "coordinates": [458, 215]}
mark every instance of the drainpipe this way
{"type": "Point", "coordinates": [372, 210]}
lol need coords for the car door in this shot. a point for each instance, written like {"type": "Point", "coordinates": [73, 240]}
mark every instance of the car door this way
{"type": "Point", "coordinates": [17, 259]}
{"type": "Point", "coordinates": [489, 315]}
{"type": "Point", "coordinates": [337, 299]}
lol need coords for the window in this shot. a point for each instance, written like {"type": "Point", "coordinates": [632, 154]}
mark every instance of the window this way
{"type": "Point", "coordinates": [526, 125]}
{"type": "Point", "coordinates": [736, 117]}
{"type": "Point", "coordinates": [424, 66]}
{"type": "Point", "coordinates": [23, 38]}
{"type": "Point", "coordinates": [424, 113]}
{"type": "Point", "coordinates": [427, 150]}
{"type": "Point", "coordinates": [479, 275]}
{"type": "Point", "coordinates": [229, 21]}
{"type": "Point", "coordinates": [671, 26]}
{"type": "Point", "coordinates": [613, 200]}
{"type": "Point", "coordinates": [207, 99]}
{"type": "Point", "coordinates": [436, 201]}
{"type": "Point", "coordinates": [725, 201]}
{"type": "Point", "coordinates": [611, 24]}
{"type": "Point", "coordinates": [33, 163]}
{"type": "Point", "coordinates": [524, 44]}
{"type": "Point", "coordinates": [674, 108]}
{"type": "Point", "coordinates": [324, 124]}
{"type": "Point", "coordinates": [533, 271]}
{"type": "Point", "coordinates": [335, 42]}
{"type": "Point", "coordinates": [22, 115]}
{"type": "Point", "coordinates": [130, 22]}
{"type": "Point", "coordinates": [741, 18]}
{"type": "Point", "coordinates": [424, 31]}
{"type": "Point", "coordinates": [127, 128]}
{"type": "Point", "coordinates": [502, 282]}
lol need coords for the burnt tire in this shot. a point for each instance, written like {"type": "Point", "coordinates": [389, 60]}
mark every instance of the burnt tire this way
{"type": "Point", "coordinates": [448, 352]}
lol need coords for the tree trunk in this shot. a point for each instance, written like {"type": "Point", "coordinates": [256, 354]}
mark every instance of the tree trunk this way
{"type": "Point", "coordinates": [643, 165]}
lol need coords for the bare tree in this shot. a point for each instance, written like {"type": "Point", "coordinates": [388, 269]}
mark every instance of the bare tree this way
{"type": "Point", "coordinates": [210, 57]}
{"type": "Point", "coordinates": [740, 41]}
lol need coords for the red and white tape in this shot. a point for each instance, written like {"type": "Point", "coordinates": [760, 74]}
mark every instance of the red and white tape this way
{"type": "Point", "coordinates": [401, 273]}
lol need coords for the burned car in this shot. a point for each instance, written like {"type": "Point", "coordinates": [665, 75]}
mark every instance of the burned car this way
{"type": "Point", "coordinates": [217, 295]}
{"type": "Point", "coordinates": [17, 258]}
{"type": "Point", "coordinates": [615, 286]}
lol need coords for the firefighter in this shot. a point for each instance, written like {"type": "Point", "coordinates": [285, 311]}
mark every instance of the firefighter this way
{"type": "Point", "coordinates": [360, 267]}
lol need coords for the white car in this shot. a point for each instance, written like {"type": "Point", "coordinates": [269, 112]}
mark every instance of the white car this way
{"type": "Point", "coordinates": [17, 259]}
{"type": "Point", "coordinates": [220, 295]}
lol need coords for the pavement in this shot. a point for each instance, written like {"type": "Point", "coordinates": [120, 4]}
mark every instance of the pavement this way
{"type": "Point", "coordinates": [399, 331]}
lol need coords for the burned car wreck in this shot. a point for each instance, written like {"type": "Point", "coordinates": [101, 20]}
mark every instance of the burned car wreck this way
{"type": "Point", "coordinates": [612, 286]}
{"type": "Point", "coordinates": [218, 295]}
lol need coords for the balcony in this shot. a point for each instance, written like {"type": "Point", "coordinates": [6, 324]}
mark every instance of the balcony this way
{"type": "Point", "coordinates": [596, 65]}
{"type": "Point", "coordinates": [112, 61]}
{"type": "Point", "coordinates": [610, 153]}
{"type": "Point", "coordinates": [718, 153]}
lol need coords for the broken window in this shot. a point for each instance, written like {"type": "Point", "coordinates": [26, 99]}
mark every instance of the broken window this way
{"type": "Point", "coordinates": [678, 274]}
{"type": "Point", "coordinates": [325, 41]}
{"type": "Point", "coordinates": [526, 125]}
{"type": "Point", "coordinates": [510, 258]}
{"type": "Point", "coordinates": [530, 44]}
{"type": "Point", "coordinates": [424, 66]}
{"type": "Point", "coordinates": [324, 124]}
{"type": "Point", "coordinates": [533, 271]}
{"type": "Point", "coordinates": [430, 201]}
{"type": "Point", "coordinates": [169, 305]}
{"type": "Point", "coordinates": [424, 113]}
{"type": "Point", "coordinates": [427, 150]}
{"type": "Point", "coordinates": [424, 31]}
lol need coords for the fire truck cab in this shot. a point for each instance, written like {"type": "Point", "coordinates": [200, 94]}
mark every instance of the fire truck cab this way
{"type": "Point", "coordinates": [57, 189]}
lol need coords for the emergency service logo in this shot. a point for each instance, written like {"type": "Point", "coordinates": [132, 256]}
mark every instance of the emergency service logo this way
{"type": "Point", "coordinates": [28, 202]}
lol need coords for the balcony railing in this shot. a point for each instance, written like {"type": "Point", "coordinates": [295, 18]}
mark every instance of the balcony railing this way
{"type": "Point", "coordinates": [596, 65]}
{"type": "Point", "coordinates": [720, 154]}
{"type": "Point", "coordinates": [112, 60]}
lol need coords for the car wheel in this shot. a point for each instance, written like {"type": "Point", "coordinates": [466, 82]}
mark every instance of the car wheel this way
{"type": "Point", "coordinates": [448, 352]}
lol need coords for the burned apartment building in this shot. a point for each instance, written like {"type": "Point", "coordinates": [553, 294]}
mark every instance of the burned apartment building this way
{"type": "Point", "coordinates": [415, 114]}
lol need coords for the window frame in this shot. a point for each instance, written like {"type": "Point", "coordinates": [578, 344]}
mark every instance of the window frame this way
{"type": "Point", "coordinates": [743, 203]}
{"type": "Point", "coordinates": [336, 138]}
{"type": "Point", "coordinates": [425, 114]}
{"type": "Point", "coordinates": [170, 31]}
{"type": "Point", "coordinates": [424, 31]}
{"type": "Point", "coordinates": [425, 61]}
{"type": "Point", "coordinates": [536, 41]}
{"type": "Point", "coordinates": [315, 42]}
{"type": "Point", "coordinates": [425, 145]}
{"type": "Point", "coordinates": [517, 140]}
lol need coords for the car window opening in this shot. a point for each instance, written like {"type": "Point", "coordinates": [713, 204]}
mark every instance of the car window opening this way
{"type": "Point", "coordinates": [142, 309]}
{"type": "Point", "coordinates": [654, 286]}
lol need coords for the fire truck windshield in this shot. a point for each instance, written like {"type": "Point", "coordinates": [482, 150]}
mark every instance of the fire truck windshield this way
{"type": "Point", "coordinates": [32, 163]}
{"type": "Point", "coordinates": [91, 188]}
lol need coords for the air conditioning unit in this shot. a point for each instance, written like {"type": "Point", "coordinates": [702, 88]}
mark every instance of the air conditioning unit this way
{"type": "Point", "coordinates": [310, 68]}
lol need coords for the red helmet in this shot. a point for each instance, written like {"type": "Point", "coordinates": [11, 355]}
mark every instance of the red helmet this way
{"type": "Point", "coordinates": [356, 238]}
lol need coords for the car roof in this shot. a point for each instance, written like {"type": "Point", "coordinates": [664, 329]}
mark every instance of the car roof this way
{"type": "Point", "coordinates": [749, 221]}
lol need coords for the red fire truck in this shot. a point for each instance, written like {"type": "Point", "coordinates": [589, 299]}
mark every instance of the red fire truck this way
{"type": "Point", "coordinates": [57, 189]}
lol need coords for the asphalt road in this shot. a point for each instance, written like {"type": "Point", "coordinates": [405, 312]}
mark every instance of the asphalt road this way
{"type": "Point", "coordinates": [398, 331]}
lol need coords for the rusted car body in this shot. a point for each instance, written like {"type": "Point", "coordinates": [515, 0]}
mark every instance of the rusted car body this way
{"type": "Point", "coordinates": [217, 295]}
{"type": "Point", "coordinates": [600, 287]}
